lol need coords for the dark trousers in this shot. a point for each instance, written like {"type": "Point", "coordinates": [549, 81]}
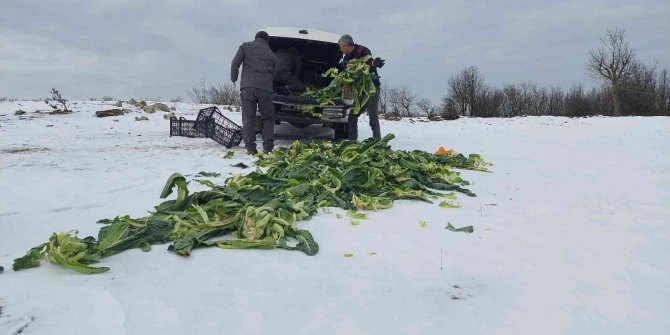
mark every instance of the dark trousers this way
{"type": "Point", "coordinates": [372, 107]}
{"type": "Point", "coordinates": [252, 99]}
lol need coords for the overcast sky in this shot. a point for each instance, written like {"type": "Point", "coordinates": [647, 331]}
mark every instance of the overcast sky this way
{"type": "Point", "coordinates": [150, 49]}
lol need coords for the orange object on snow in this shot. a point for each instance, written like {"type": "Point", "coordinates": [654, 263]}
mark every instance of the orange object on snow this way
{"type": "Point", "coordinates": [443, 151]}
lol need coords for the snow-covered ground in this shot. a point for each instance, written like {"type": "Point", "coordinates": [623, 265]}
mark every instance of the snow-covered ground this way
{"type": "Point", "coordinates": [571, 235]}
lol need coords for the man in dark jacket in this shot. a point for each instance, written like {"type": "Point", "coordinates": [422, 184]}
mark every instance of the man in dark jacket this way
{"type": "Point", "coordinates": [289, 66]}
{"type": "Point", "coordinates": [256, 89]}
{"type": "Point", "coordinates": [350, 50]}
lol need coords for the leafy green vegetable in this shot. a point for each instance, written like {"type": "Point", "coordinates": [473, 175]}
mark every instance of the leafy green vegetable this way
{"type": "Point", "coordinates": [363, 201]}
{"type": "Point", "coordinates": [240, 165]}
{"type": "Point", "coordinates": [450, 195]}
{"type": "Point", "coordinates": [305, 244]}
{"type": "Point", "coordinates": [466, 229]}
{"type": "Point", "coordinates": [64, 249]}
{"type": "Point", "coordinates": [258, 210]}
{"type": "Point", "coordinates": [449, 204]}
{"type": "Point", "coordinates": [176, 179]}
{"type": "Point", "coordinates": [356, 215]}
{"type": "Point", "coordinates": [267, 243]}
{"type": "Point", "coordinates": [357, 76]}
{"type": "Point", "coordinates": [348, 255]}
{"type": "Point", "coordinates": [31, 259]}
{"type": "Point", "coordinates": [124, 233]}
{"type": "Point", "coordinates": [229, 154]}
{"type": "Point", "coordinates": [208, 174]}
{"type": "Point", "coordinates": [423, 224]}
{"type": "Point", "coordinates": [354, 222]}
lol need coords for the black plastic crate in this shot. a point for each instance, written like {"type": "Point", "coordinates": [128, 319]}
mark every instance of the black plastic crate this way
{"type": "Point", "coordinates": [226, 136]}
{"type": "Point", "coordinates": [221, 129]}
{"type": "Point", "coordinates": [209, 123]}
{"type": "Point", "coordinates": [184, 127]}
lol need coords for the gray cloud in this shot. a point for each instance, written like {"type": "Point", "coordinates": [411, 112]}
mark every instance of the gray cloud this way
{"type": "Point", "coordinates": [158, 49]}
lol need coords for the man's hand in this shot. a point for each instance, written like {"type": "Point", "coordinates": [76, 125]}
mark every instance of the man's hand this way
{"type": "Point", "coordinates": [378, 62]}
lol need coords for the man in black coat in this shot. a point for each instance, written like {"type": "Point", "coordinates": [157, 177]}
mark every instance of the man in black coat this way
{"type": "Point", "coordinates": [256, 89]}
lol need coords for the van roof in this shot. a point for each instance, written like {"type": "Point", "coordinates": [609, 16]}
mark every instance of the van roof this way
{"type": "Point", "coordinates": [302, 33]}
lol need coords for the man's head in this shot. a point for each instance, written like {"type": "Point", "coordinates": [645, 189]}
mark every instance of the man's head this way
{"type": "Point", "coordinates": [263, 35]}
{"type": "Point", "coordinates": [346, 44]}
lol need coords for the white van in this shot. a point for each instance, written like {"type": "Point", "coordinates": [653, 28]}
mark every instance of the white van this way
{"type": "Point", "coordinates": [321, 51]}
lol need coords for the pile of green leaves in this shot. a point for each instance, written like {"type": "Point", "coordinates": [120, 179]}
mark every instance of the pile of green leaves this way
{"type": "Point", "coordinates": [357, 75]}
{"type": "Point", "coordinates": [258, 210]}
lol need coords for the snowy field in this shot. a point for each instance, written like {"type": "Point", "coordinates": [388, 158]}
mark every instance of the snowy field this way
{"type": "Point", "coordinates": [572, 234]}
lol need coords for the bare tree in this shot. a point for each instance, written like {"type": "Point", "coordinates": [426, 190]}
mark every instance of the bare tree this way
{"type": "Point", "coordinates": [393, 103]}
{"type": "Point", "coordinates": [383, 97]}
{"type": "Point", "coordinates": [449, 109]}
{"type": "Point", "coordinates": [600, 101]}
{"type": "Point", "coordinates": [408, 101]}
{"type": "Point", "coordinates": [198, 93]}
{"type": "Point", "coordinates": [401, 101]}
{"type": "Point", "coordinates": [540, 103]}
{"type": "Point", "coordinates": [576, 103]}
{"type": "Point", "coordinates": [464, 88]}
{"type": "Point", "coordinates": [639, 90]}
{"type": "Point", "coordinates": [457, 96]}
{"type": "Point", "coordinates": [663, 95]}
{"type": "Point", "coordinates": [222, 94]}
{"type": "Point", "coordinates": [612, 62]}
{"type": "Point", "coordinates": [555, 101]}
{"type": "Point", "coordinates": [425, 107]}
{"type": "Point", "coordinates": [226, 94]}
{"type": "Point", "coordinates": [489, 101]}
{"type": "Point", "coordinates": [522, 99]}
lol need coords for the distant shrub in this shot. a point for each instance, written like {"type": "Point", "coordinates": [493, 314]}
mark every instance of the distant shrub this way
{"type": "Point", "coordinates": [56, 101]}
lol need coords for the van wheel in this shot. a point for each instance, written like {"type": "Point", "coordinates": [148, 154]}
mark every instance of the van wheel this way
{"type": "Point", "coordinates": [341, 131]}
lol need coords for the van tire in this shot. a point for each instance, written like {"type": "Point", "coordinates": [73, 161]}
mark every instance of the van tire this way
{"type": "Point", "coordinates": [341, 131]}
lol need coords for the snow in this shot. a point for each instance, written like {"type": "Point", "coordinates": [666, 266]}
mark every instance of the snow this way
{"type": "Point", "coordinates": [571, 234]}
